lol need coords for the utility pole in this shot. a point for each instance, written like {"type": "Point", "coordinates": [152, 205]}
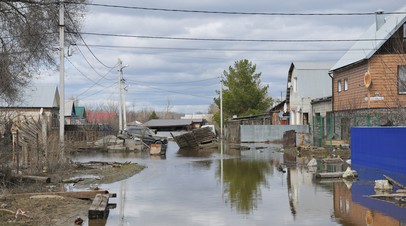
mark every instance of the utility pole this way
{"type": "Point", "coordinates": [124, 105]}
{"type": "Point", "coordinates": [61, 76]}
{"type": "Point", "coordinates": [122, 117]}
{"type": "Point", "coordinates": [120, 93]}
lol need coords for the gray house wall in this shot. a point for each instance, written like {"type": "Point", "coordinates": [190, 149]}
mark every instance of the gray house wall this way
{"type": "Point", "coordinates": [268, 133]}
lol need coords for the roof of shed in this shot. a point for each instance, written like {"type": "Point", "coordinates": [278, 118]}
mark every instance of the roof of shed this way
{"type": "Point", "coordinates": [170, 122]}
{"type": "Point", "coordinates": [372, 40]}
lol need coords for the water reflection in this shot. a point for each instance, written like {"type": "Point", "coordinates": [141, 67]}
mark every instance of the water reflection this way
{"type": "Point", "coordinates": [192, 189]}
{"type": "Point", "coordinates": [349, 212]}
{"type": "Point", "coordinates": [242, 181]}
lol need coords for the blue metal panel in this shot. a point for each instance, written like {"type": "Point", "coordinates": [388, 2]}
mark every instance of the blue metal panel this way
{"type": "Point", "coordinates": [379, 147]}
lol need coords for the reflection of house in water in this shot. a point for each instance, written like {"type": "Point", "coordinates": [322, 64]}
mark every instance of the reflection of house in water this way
{"type": "Point", "coordinates": [306, 197]}
{"type": "Point", "coordinates": [348, 212]}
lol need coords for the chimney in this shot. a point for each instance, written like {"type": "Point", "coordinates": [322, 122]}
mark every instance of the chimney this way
{"type": "Point", "coordinates": [380, 19]}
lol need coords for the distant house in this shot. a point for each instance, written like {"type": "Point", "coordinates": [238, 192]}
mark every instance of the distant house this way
{"type": "Point", "coordinates": [36, 100]}
{"type": "Point", "coordinates": [96, 117]}
{"type": "Point", "coordinates": [369, 81]}
{"type": "Point", "coordinates": [279, 114]}
{"type": "Point", "coordinates": [70, 112]}
{"type": "Point", "coordinates": [80, 115]}
{"type": "Point", "coordinates": [306, 81]}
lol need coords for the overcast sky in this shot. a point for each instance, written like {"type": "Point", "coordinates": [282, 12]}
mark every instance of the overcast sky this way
{"type": "Point", "coordinates": [175, 58]}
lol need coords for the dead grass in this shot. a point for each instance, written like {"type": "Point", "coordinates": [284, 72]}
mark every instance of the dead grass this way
{"type": "Point", "coordinates": [52, 210]}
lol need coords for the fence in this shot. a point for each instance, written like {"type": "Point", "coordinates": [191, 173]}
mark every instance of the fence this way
{"type": "Point", "coordinates": [82, 134]}
{"type": "Point", "coordinates": [328, 129]}
{"type": "Point", "coordinates": [379, 147]}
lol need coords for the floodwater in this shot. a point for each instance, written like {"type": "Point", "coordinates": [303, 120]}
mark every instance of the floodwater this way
{"type": "Point", "coordinates": [241, 188]}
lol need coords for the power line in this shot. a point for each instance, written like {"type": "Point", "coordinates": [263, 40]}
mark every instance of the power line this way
{"type": "Point", "coordinates": [84, 42]}
{"type": "Point", "coordinates": [170, 91]}
{"type": "Point", "coordinates": [79, 70]}
{"type": "Point", "coordinates": [221, 50]}
{"type": "Point", "coordinates": [233, 12]}
{"type": "Point", "coordinates": [171, 83]}
{"type": "Point", "coordinates": [231, 39]}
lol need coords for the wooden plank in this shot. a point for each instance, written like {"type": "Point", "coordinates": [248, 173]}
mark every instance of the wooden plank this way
{"type": "Point", "coordinates": [333, 174]}
{"type": "Point", "coordinates": [393, 182]}
{"type": "Point", "coordinates": [36, 178]}
{"type": "Point", "coordinates": [98, 209]}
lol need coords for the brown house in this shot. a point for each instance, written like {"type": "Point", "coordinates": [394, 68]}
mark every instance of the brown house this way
{"type": "Point", "coordinates": [369, 81]}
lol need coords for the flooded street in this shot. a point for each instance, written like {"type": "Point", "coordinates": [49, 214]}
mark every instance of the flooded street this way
{"type": "Point", "coordinates": [246, 188]}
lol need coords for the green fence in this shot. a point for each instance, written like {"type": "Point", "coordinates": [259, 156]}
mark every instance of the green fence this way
{"type": "Point", "coordinates": [322, 129]}
{"type": "Point", "coordinates": [331, 127]}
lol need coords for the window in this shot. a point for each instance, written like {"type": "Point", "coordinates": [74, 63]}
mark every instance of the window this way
{"type": "Point", "coordinates": [295, 84]}
{"type": "Point", "coordinates": [339, 85]}
{"type": "Point", "coordinates": [404, 31]}
{"type": "Point", "coordinates": [345, 84]}
{"type": "Point", "coordinates": [402, 79]}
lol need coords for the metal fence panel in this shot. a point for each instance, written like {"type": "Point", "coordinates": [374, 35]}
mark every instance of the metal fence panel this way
{"type": "Point", "coordinates": [379, 147]}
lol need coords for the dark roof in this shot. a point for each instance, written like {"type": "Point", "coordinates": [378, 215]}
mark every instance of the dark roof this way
{"type": "Point", "coordinates": [277, 107]}
{"type": "Point", "coordinates": [171, 122]}
{"type": "Point", "coordinates": [318, 100]}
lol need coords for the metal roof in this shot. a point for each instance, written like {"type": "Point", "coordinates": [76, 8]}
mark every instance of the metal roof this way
{"type": "Point", "coordinates": [311, 65]}
{"type": "Point", "coordinates": [70, 108]}
{"type": "Point", "coordinates": [363, 50]}
{"type": "Point", "coordinates": [80, 112]}
{"type": "Point", "coordinates": [170, 122]}
{"type": "Point", "coordinates": [37, 96]}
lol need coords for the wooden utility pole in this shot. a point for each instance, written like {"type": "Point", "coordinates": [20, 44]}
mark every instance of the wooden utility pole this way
{"type": "Point", "coordinates": [61, 77]}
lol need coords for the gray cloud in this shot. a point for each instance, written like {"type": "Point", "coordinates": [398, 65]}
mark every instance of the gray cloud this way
{"type": "Point", "coordinates": [161, 70]}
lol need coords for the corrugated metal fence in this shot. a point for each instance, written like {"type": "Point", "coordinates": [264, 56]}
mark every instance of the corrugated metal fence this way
{"type": "Point", "coordinates": [379, 147]}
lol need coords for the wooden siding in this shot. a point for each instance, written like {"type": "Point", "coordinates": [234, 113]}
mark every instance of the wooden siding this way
{"type": "Point", "coordinates": [384, 74]}
{"type": "Point", "coordinates": [352, 98]}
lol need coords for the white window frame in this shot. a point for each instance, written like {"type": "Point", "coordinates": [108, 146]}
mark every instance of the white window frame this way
{"type": "Point", "coordinates": [402, 79]}
{"type": "Point", "coordinates": [345, 84]}
{"type": "Point", "coordinates": [339, 88]}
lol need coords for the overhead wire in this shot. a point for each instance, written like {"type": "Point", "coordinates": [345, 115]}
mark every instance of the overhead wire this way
{"type": "Point", "coordinates": [219, 49]}
{"type": "Point", "coordinates": [171, 91]}
{"type": "Point", "coordinates": [84, 42]}
{"type": "Point", "coordinates": [96, 83]}
{"type": "Point", "coordinates": [228, 39]}
{"type": "Point", "coordinates": [233, 12]}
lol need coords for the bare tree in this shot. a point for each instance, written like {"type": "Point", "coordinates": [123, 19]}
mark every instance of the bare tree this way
{"type": "Point", "coordinates": [168, 108]}
{"type": "Point", "coordinates": [28, 37]}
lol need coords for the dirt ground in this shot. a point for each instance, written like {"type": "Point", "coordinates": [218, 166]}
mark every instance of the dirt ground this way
{"type": "Point", "coordinates": [20, 203]}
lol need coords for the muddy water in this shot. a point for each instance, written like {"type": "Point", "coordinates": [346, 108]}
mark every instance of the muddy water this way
{"type": "Point", "coordinates": [240, 188]}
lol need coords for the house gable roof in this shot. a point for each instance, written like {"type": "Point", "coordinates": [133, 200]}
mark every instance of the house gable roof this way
{"type": "Point", "coordinates": [80, 112]}
{"type": "Point", "coordinates": [372, 40]}
{"type": "Point", "coordinates": [70, 108]}
{"type": "Point", "coordinates": [36, 96]}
